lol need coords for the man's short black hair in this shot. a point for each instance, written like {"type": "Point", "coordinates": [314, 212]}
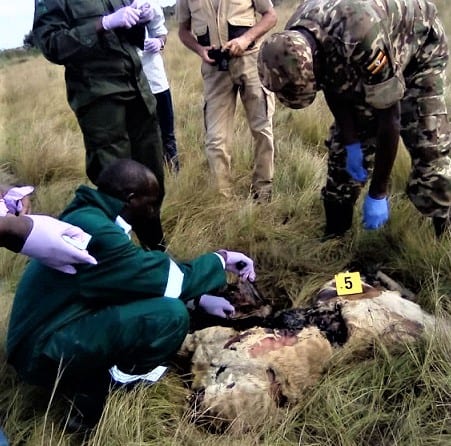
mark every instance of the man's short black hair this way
{"type": "Point", "coordinates": [123, 177]}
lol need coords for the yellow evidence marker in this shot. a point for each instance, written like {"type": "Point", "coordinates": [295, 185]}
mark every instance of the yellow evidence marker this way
{"type": "Point", "coordinates": [348, 283]}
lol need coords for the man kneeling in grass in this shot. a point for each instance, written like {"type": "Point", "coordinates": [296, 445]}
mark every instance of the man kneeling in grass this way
{"type": "Point", "coordinates": [127, 313]}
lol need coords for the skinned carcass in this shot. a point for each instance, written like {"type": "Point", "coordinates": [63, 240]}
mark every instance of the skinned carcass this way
{"type": "Point", "coordinates": [241, 376]}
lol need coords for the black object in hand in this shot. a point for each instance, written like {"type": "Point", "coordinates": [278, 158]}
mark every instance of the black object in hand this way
{"type": "Point", "coordinates": [220, 57]}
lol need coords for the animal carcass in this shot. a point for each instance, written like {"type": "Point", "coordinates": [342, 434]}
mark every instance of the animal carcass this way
{"type": "Point", "coordinates": [242, 376]}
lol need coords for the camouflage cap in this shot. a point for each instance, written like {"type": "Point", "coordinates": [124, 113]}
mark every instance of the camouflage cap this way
{"type": "Point", "coordinates": [285, 66]}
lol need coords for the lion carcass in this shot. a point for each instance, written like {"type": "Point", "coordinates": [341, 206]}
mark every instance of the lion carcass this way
{"type": "Point", "coordinates": [242, 377]}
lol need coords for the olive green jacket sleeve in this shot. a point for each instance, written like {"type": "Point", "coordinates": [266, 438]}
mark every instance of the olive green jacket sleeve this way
{"type": "Point", "coordinates": [67, 32]}
{"type": "Point", "coordinates": [98, 63]}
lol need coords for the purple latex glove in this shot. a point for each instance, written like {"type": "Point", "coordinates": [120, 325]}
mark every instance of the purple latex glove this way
{"type": "Point", "coordinates": [354, 162]}
{"type": "Point", "coordinates": [3, 208]}
{"type": "Point", "coordinates": [146, 12]}
{"type": "Point", "coordinates": [125, 17]}
{"type": "Point", "coordinates": [216, 306]}
{"type": "Point", "coordinates": [375, 212]}
{"type": "Point", "coordinates": [238, 264]}
{"type": "Point", "coordinates": [152, 45]}
{"type": "Point", "coordinates": [45, 243]}
{"type": "Point", "coordinates": [13, 198]}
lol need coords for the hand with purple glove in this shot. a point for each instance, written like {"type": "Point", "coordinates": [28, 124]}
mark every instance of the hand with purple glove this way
{"type": "Point", "coordinates": [354, 162]}
{"type": "Point", "coordinates": [125, 17]}
{"type": "Point", "coordinates": [216, 306]}
{"type": "Point", "coordinates": [239, 264]}
{"type": "Point", "coordinates": [45, 242]}
{"type": "Point", "coordinates": [375, 212]}
{"type": "Point", "coordinates": [152, 45]}
{"type": "Point", "coordinates": [16, 201]}
{"type": "Point", "coordinates": [146, 12]}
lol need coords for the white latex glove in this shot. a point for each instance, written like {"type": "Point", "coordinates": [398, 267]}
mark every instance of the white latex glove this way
{"type": "Point", "coordinates": [125, 17]}
{"type": "Point", "coordinates": [45, 243]}
{"type": "Point", "coordinates": [152, 45]}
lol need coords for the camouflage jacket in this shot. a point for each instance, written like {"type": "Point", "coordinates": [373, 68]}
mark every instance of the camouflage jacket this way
{"type": "Point", "coordinates": [365, 46]}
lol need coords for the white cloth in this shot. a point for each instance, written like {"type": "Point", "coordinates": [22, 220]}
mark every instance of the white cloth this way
{"type": "Point", "coordinates": [124, 378]}
{"type": "Point", "coordinates": [153, 64]}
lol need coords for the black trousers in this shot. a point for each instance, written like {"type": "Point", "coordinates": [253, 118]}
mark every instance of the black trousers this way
{"type": "Point", "coordinates": [165, 112]}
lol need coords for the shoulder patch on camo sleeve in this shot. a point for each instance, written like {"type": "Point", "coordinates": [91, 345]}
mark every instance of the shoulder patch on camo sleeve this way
{"type": "Point", "coordinates": [377, 63]}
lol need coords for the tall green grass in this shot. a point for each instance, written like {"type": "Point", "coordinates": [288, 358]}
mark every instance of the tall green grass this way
{"type": "Point", "coordinates": [401, 398]}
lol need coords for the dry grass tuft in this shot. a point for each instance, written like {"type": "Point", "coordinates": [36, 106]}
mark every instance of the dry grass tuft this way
{"type": "Point", "coordinates": [402, 398]}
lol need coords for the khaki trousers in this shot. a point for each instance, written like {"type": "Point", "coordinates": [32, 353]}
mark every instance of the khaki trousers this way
{"type": "Point", "coordinates": [220, 96]}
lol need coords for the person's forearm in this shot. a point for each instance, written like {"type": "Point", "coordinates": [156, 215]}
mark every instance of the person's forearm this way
{"type": "Point", "coordinates": [344, 117]}
{"type": "Point", "coordinates": [188, 39]}
{"type": "Point", "coordinates": [14, 231]}
{"type": "Point", "coordinates": [386, 150]}
{"type": "Point", "coordinates": [238, 46]}
{"type": "Point", "coordinates": [267, 22]}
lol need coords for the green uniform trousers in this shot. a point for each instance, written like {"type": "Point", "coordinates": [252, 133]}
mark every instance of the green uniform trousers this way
{"type": "Point", "coordinates": [136, 337]}
{"type": "Point", "coordinates": [121, 126]}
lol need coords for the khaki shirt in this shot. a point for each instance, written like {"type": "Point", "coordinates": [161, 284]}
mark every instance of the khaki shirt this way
{"type": "Point", "coordinates": [214, 16]}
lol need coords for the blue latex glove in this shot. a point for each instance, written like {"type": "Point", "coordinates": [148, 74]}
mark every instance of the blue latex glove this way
{"type": "Point", "coordinates": [216, 306]}
{"type": "Point", "coordinates": [375, 212]}
{"type": "Point", "coordinates": [354, 162]}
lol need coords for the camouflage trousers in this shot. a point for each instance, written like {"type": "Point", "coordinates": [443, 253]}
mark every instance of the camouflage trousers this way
{"type": "Point", "coordinates": [424, 131]}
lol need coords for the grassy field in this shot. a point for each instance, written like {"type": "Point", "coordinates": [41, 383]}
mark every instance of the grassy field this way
{"type": "Point", "coordinates": [384, 399]}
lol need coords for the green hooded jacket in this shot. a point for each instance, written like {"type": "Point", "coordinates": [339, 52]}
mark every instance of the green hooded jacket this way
{"type": "Point", "coordinates": [47, 299]}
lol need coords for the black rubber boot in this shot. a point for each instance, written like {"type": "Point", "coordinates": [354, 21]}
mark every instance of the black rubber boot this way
{"type": "Point", "coordinates": [86, 412]}
{"type": "Point", "coordinates": [87, 397]}
{"type": "Point", "coordinates": [441, 224]}
{"type": "Point", "coordinates": [338, 217]}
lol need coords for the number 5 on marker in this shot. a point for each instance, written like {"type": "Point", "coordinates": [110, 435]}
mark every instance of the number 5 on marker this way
{"type": "Point", "coordinates": [348, 283]}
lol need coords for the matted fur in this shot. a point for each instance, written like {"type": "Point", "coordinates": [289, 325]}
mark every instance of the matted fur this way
{"type": "Point", "coordinates": [241, 378]}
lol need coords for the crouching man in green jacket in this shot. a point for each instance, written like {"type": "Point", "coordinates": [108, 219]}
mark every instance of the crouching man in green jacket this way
{"type": "Point", "coordinates": [127, 312]}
